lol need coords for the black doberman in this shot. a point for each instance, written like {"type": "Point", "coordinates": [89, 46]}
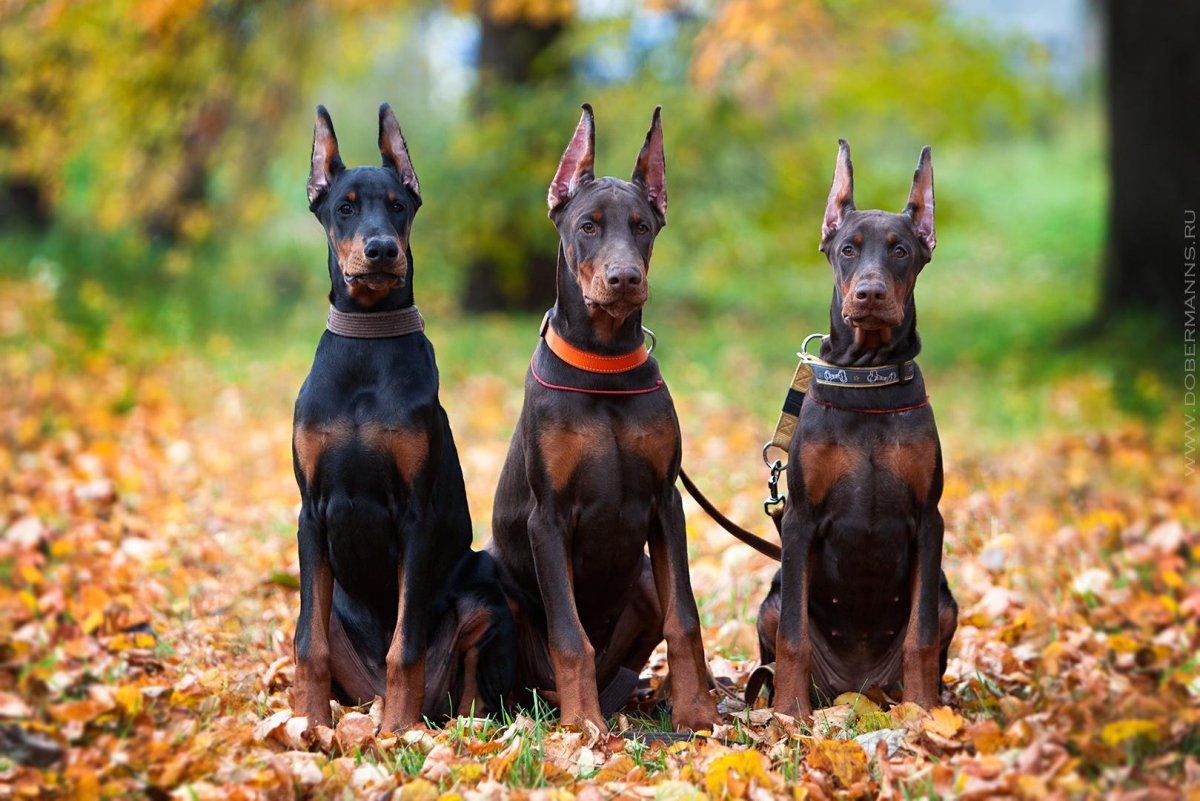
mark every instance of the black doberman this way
{"type": "Point", "coordinates": [590, 476]}
{"type": "Point", "coordinates": [392, 599]}
{"type": "Point", "coordinates": [860, 599]}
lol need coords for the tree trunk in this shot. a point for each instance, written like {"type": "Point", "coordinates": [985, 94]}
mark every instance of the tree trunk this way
{"type": "Point", "coordinates": [1154, 153]}
{"type": "Point", "coordinates": [513, 53]}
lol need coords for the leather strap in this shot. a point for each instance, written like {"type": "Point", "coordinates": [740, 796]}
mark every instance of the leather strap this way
{"type": "Point", "coordinates": [375, 325]}
{"type": "Point", "coordinates": [835, 375]}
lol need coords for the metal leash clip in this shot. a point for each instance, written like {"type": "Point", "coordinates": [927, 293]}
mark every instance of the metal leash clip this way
{"type": "Point", "coordinates": [774, 499]}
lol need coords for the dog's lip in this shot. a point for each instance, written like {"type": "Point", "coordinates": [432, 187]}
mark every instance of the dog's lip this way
{"type": "Point", "coordinates": [373, 277]}
{"type": "Point", "coordinates": [869, 320]}
{"type": "Point", "coordinates": [628, 298]}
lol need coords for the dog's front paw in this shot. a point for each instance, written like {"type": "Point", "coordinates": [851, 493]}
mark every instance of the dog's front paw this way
{"type": "Point", "coordinates": [592, 725]}
{"type": "Point", "coordinates": [312, 703]}
{"type": "Point", "coordinates": [700, 715]}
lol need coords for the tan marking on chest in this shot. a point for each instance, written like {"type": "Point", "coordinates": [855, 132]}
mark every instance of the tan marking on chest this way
{"type": "Point", "coordinates": [824, 464]}
{"type": "Point", "coordinates": [313, 440]}
{"type": "Point", "coordinates": [409, 448]}
{"type": "Point", "coordinates": [655, 442]}
{"type": "Point", "coordinates": [562, 450]}
{"type": "Point", "coordinates": [911, 462]}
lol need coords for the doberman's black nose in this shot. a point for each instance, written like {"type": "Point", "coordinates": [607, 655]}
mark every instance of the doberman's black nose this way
{"type": "Point", "coordinates": [381, 250]}
{"type": "Point", "coordinates": [870, 290]}
{"type": "Point", "coordinates": [624, 277]}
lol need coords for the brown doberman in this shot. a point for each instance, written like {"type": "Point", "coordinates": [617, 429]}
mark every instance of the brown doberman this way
{"type": "Point", "coordinates": [393, 601]}
{"type": "Point", "coordinates": [860, 599]}
{"type": "Point", "coordinates": [589, 480]}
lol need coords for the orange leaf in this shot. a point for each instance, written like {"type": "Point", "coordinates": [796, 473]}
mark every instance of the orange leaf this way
{"type": "Point", "coordinates": [944, 721]}
{"type": "Point", "coordinates": [845, 759]}
{"type": "Point", "coordinates": [79, 711]}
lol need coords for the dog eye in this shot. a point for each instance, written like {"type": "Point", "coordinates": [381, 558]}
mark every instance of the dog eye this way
{"type": "Point", "coordinates": [588, 227]}
{"type": "Point", "coordinates": [847, 250]}
{"type": "Point", "coordinates": [345, 209]}
{"type": "Point", "coordinates": [397, 206]}
{"type": "Point", "coordinates": [642, 229]}
{"type": "Point", "coordinates": [899, 251]}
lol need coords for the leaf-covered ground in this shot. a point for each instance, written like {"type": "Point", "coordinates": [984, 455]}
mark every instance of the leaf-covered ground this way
{"type": "Point", "coordinates": [147, 603]}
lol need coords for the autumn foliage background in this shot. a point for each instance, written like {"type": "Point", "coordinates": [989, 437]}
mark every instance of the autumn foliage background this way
{"type": "Point", "coordinates": [162, 287]}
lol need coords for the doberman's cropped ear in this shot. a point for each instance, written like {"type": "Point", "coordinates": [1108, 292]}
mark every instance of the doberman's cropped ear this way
{"type": "Point", "coordinates": [395, 152]}
{"type": "Point", "coordinates": [650, 172]}
{"type": "Point", "coordinates": [578, 160]}
{"type": "Point", "coordinates": [326, 163]}
{"type": "Point", "coordinates": [920, 200]}
{"type": "Point", "coordinates": [841, 194]}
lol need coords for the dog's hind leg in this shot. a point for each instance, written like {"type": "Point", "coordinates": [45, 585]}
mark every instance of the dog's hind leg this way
{"type": "Point", "coordinates": [354, 681]}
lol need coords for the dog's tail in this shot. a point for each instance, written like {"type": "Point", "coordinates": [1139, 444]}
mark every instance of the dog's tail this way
{"type": "Point", "coordinates": [756, 542]}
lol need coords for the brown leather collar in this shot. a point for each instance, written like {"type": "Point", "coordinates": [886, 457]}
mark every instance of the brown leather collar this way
{"type": "Point", "coordinates": [375, 325]}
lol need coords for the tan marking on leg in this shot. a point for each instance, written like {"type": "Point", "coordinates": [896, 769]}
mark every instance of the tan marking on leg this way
{"type": "Point", "coordinates": [919, 661]}
{"type": "Point", "coordinates": [911, 462]}
{"type": "Point", "coordinates": [312, 440]}
{"type": "Point", "coordinates": [562, 450]}
{"type": "Point", "coordinates": [311, 691]}
{"type": "Point", "coordinates": [405, 692]}
{"type": "Point", "coordinates": [409, 448]}
{"type": "Point", "coordinates": [823, 465]}
{"type": "Point", "coordinates": [471, 628]}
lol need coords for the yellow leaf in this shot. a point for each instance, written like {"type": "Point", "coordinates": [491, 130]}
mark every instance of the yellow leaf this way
{"type": "Point", "coordinates": [728, 773]}
{"type": "Point", "coordinates": [1172, 579]}
{"type": "Point", "coordinates": [419, 790]}
{"type": "Point", "coordinates": [125, 641]}
{"type": "Point", "coordinates": [92, 622]}
{"type": "Point", "coordinates": [29, 599]}
{"type": "Point", "coordinates": [1123, 644]}
{"type": "Point", "coordinates": [845, 759]}
{"type": "Point", "coordinates": [944, 721]}
{"type": "Point", "coordinates": [129, 698]}
{"type": "Point", "coordinates": [1119, 731]}
{"type": "Point", "coordinates": [31, 575]}
{"type": "Point", "coordinates": [859, 702]}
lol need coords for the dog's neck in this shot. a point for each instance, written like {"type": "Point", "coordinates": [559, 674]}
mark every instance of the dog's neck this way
{"type": "Point", "coordinates": [593, 330]}
{"type": "Point", "coordinates": [848, 346]}
{"type": "Point", "coordinates": [339, 293]}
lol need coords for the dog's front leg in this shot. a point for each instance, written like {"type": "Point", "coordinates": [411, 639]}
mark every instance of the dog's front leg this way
{"type": "Point", "coordinates": [311, 644]}
{"type": "Point", "coordinates": [793, 641]}
{"type": "Point", "coordinates": [405, 693]}
{"type": "Point", "coordinates": [692, 708]}
{"type": "Point", "coordinates": [922, 639]}
{"type": "Point", "coordinates": [571, 653]}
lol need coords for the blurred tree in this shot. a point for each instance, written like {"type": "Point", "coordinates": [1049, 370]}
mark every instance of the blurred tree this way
{"type": "Point", "coordinates": [517, 51]}
{"type": "Point", "coordinates": [1154, 124]}
{"type": "Point", "coordinates": [122, 111]}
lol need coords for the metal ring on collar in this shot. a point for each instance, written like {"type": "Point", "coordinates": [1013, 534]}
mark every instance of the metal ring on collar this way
{"type": "Point", "coordinates": [804, 354]}
{"type": "Point", "coordinates": [653, 340]}
{"type": "Point", "coordinates": [767, 461]}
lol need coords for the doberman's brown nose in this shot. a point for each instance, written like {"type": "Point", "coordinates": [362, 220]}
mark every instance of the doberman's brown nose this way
{"type": "Point", "coordinates": [624, 277]}
{"type": "Point", "coordinates": [381, 250]}
{"type": "Point", "coordinates": [870, 290]}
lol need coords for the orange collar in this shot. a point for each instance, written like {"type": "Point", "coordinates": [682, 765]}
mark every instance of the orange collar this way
{"type": "Point", "coordinates": [592, 362]}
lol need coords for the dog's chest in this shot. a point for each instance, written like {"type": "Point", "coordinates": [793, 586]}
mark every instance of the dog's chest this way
{"type": "Point", "coordinates": [608, 452]}
{"type": "Point", "coordinates": [857, 469]}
